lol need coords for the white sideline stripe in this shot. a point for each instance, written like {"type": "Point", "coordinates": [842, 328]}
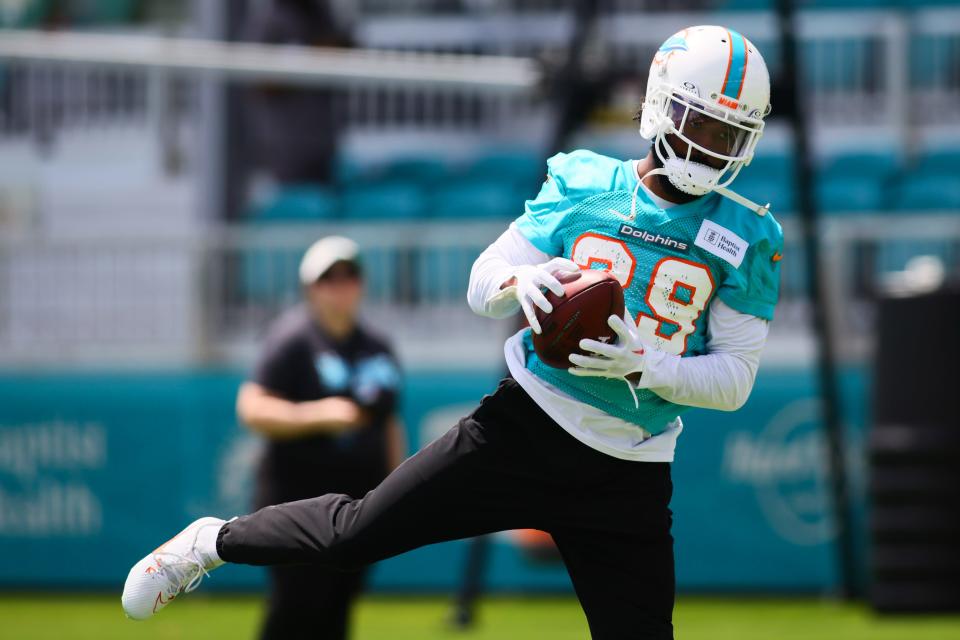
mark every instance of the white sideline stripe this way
{"type": "Point", "coordinates": [298, 64]}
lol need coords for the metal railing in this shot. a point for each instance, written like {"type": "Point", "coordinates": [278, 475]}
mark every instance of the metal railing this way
{"type": "Point", "coordinates": [55, 80]}
{"type": "Point", "coordinates": [208, 297]}
{"type": "Point", "coordinates": [863, 68]}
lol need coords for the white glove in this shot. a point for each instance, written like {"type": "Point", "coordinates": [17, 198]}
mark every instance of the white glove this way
{"type": "Point", "coordinates": [529, 280]}
{"type": "Point", "coordinates": [617, 360]}
{"type": "Point", "coordinates": [629, 355]}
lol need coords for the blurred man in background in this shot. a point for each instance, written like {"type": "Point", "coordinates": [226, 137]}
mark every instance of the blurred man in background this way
{"type": "Point", "coordinates": [324, 394]}
{"type": "Point", "coordinates": [294, 129]}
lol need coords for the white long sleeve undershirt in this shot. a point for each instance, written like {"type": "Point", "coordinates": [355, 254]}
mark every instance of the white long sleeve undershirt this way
{"type": "Point", "coordinates": [495, 266]}
{"type": "Point", "coordinates": [721, 379]}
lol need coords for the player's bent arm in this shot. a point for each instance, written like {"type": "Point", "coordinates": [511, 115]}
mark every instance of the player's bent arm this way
{"type": "Point", "coordinates": [277, 418]}
{"type": "Point", "coordinates": [723, 378]}
{"type": "Point", "coordinates": [494, 268]}
{"type": "Point", "coordinates": [512, 273]}
{"type": "Point", "coordinates": [720, 381]}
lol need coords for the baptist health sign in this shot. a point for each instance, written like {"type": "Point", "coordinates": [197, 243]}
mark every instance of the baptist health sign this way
{"type": "Point", "coordinates": [44, 466]}
{"type": "Point", "coordinates": [95, 468]}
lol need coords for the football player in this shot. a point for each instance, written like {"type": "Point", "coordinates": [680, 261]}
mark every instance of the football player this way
{"type": "Point", "coordinates": [582, 453]}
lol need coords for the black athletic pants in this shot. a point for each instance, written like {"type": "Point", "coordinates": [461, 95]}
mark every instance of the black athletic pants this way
{"type": "Point", "coordinates": [506, 466]}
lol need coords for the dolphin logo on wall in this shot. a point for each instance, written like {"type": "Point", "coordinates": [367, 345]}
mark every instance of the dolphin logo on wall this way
{"type": "Point", "coordinates": [786, 464]}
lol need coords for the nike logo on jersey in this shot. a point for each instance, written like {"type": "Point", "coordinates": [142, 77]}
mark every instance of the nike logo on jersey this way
{"type": "Point", "coordinates": [777, 257]}
{"type": "Point", "coordinates": [655, 238]}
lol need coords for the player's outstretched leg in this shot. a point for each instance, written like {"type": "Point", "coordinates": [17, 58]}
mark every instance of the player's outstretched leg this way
{"type": "Point", "coordinates": [175, 567]}
{"type": "Point", "coordinates": [477, 478]}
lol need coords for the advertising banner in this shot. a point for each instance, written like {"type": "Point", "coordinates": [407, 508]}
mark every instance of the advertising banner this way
{"type": "Point", "coordinates": [98, 468]}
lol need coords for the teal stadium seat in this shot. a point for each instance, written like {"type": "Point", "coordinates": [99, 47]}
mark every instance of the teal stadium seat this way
{"type": "Point", "coordinates": [930, 192]}
{"type": "Point", "coordinates": [301, 203]}
{"type": "Point", "coordinates": [384, 201]}
{"type": "Point", "coordinates": [769, 178]}
{"type": "Point", "coordinates": [477, 199]}
{"type": "Point", "coordinates": [847, 4]}
{"type": "Point", "coordinates": [840, 195]}
{"type": "Point", "coordinates": [866, 164]}
{"type": "Point", "coordinates": [925, 4]}
{"type": "Point", "coordinates": [938, 162]}
{"type": "Point", "coordinates": [102, 12]}
{"type": "Point", "coordinates": [25, 15]}
{"type": "Point", "coordinates": [520, 168]}
{"type": "Point", "coordinates": [420, 170]}
{"type": "Point", "coordinates": [753, 5]}
{"type": "Point", "coordinates": [932, 182]}
{"type": "Point", "coordinates": [743, 5]}
{"type": "Point", "coordinates": [349, 171]}
{"type": "Point", "coordinates": [928, 61]}
{"type": "Point", "coordinates": [931, 185]}
{"type": "Point", "coordinates": [855, 181]}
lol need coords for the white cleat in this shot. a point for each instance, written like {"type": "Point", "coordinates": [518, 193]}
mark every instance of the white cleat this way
{"type": "Point", "coordinates": [174, 567]}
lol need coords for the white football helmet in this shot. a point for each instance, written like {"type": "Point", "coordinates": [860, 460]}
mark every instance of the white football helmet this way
{"type": "Point", "coordinates": [701, 76]}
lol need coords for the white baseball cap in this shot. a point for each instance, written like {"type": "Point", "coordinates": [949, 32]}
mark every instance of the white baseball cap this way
{"type": "Point", "coordinates": [323, 254]}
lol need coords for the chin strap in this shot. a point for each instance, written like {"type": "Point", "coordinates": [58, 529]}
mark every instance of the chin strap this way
{"type": "Point", "coordinates": [723, 191]}
{"type": "Point", "coordinates": [739, 199]}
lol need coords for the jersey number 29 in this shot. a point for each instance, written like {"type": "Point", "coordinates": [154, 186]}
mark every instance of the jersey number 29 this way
{"type": "Point", "coordinates": [676, 295]}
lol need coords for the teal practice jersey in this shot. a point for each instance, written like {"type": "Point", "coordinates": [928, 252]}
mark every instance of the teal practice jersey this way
{"type": "Point", "coordinates": [671, 263]}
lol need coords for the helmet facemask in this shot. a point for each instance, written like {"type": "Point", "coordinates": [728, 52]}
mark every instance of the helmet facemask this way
{"type": "Point", "coordinates": [718, 141]}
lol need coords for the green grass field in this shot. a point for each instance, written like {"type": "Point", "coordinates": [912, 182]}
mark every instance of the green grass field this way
{"type": "Point", "coordinates": [700, 618]}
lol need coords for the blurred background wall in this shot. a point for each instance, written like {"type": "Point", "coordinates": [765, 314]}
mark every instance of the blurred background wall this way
{"type": "Point", "coordinates": [151, 222]}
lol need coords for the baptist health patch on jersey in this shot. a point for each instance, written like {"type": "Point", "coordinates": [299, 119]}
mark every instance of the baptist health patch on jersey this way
{"type": "Point", "coordinates": [721, 242]}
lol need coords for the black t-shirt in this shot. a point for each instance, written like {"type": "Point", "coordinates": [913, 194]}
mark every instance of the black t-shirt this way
{"type": "Point", "coordinates": [296, 130]}
{"type": "Point", "coordinates": [299, 362]}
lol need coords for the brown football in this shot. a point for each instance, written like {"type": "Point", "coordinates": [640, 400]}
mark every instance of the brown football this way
{"type": "Point", "coordinates": [590, 298]}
